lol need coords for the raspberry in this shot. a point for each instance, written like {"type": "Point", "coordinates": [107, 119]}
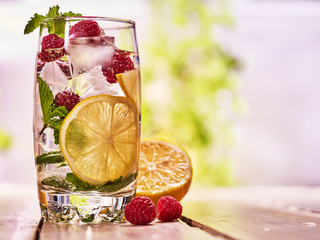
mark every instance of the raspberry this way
{"type": "Point", "coordinates": [67, 98]}
{"type": "Point", "coordinates": [40, 65]}
{"type": "Point", "coordinates": [168, 209]}
{"type": "Point", "coordinates": [64, 66]}
{"type": "Point", "coordinates": [121, 62]}
{"type": "Point", "coordinates": [140, 211]}
{"type": "Point", "coordinates": [109, 74]}
{"type": "Point", "coordinates": [52, 48]}
{"type": "Point", "coordinates": [85, 28]}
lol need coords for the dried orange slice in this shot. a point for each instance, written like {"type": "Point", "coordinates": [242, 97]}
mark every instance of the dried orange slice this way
{"type": "Point", "coordinates": [164, 170]}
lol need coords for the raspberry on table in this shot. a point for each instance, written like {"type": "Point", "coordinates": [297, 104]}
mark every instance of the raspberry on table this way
{"type": "Point", "coordinates": [140, 211]}
{"type": "Point", "coordinates": [85, 28]}
{"type": "Point", "coordinates": [121, 62]}
{"type": "Point", "coordinates": [67, 98]}
{"type": "Point", "coordinates": [52, 48]}
{"type": "Point", "coordinates": [168, 209]}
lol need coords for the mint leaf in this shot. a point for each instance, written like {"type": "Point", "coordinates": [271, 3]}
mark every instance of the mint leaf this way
{"type": "Point", "coordinates": [60, 111]}
{"type": "Point", "coordinates": [46, 99]}
{"type": "Point", "coordinates": [56, 182]}
{"type": "Point", "coordinates": [33, 23]}
{"type": "Point", "coordinates": [55, 123]}
{"type": "Point", "coordinates": [52, 115]}
{"type": "Point", "coordinates": [55, 26]}
{"type": "Point", "coordinates": [70, 14]}
{"type": "Point", "coordinates": [56, 136]}
{"type": "Point", "coordinates": [53, 12]}
{"type": "Point", "coordinates": [111, 186]}
{"type": "Point", "coordinates": [50, 157]}
{"type": "Point", "coordinates": [80, 185]}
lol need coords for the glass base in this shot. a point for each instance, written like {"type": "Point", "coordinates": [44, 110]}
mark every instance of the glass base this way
{"type": "Point", "coordinates": [57, 207]}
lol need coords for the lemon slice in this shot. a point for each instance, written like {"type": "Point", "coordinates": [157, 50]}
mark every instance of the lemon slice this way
{"type": "Point", "coordinates": [130, 84]}
{"type": "Point", "coordinates": [164, 170]}
{"type": "Point", "coordinates": [99, 138]}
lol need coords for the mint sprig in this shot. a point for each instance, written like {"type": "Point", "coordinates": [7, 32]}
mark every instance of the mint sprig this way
{"type": "Point", "coordinates": [111, 186]}
{"type": "Point", "coordinates": [55, 26]}
{"type": "Point", "coordinates": [50, 157]}
{"type": "Point", "coordinates": [46, 100]}
{"type": "Point", "coordinates": [53, 115]}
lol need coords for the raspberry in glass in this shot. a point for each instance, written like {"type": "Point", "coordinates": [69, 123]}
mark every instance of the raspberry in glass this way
{"type": "Point", "coordinates": [168, 209]}
{"type": "Point", "coordinates": [67, 98]}
{"type": "Point", "coordinates": [64, 66]}
{"type": "Point", "coordinates": [140, 211]}
{"type": "Point", "coordinates": [85, 28]}
{"type": "Point", "coordinates": [52, 48]}
{"type": "Point", "coordinates": [121, 62]}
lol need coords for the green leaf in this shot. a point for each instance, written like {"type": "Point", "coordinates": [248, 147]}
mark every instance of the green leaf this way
{"type": "Point", "coordinates": [70, 14]}
{"type": "Point", "coordinates": [56, 182]}
{"type": "Point", "coordinates": [33, 23]}
{"type": "Point", "coordinates": [55, 26]}
{"type": "Point", "coordinates": [53, 12]}
{"type": "Point", "coordinates": [111, 186]}
{"type": "Point", "coordinates": [80, 185]}
{"type": "Point", "coordinates": [60, 111]}
{"type": "Point", "coordinates": [55, 123]}
{"type": "Point", "coordinates": [5, 139]}
{"type": "Point", "coordinates": [46, 99]}
{"type": "Point", "coordinates": [56, 136]}
{"type": "Point", "coordinates": [50, 157]}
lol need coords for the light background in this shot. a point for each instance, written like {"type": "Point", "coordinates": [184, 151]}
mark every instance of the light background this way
{"type": "Point", "coordinates": [278, 43]}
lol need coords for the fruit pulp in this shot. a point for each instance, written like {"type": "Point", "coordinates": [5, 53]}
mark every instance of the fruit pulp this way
{"type": "Point", "coordinates": [90, 168]}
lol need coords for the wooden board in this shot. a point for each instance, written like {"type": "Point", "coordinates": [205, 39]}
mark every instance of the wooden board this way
{"type": "Point", "coordinates": [156, 230]}
{"type": "Point", "coordinates": [236, 213]}
{"type": "Point", "coordinates": [19, 212]}
{"type": "Point", "coordinates": [284, 213]}
{"type": "Point", "coordinates": [20, 215]}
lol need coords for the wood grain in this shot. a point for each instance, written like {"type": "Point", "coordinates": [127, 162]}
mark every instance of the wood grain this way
{"type": "Point", "coordinates": [20, 216]}
{"type": "Point", "coordinates": [125, 231]}
{"type": "Point", "coordinates": [248, 214]}
{"type": "Point", "coordinates": [19, 212]}
{"type": "Point", "coordinates": [237, 213]}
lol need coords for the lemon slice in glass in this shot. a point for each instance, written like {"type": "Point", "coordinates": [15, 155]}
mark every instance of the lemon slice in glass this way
{"type": "Point", "coordinates": [99, 138]}
{"type": "Point", "coordinates": [130, 83]}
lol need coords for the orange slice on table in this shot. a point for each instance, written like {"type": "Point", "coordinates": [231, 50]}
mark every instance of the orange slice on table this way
{"type": "Point", "coordinates": [99, 138]}
{"type": "Point", "coordinates": [164, 170]}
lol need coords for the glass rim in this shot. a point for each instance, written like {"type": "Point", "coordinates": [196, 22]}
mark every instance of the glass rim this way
{"type": "Point", "coordinates": [126, 22]}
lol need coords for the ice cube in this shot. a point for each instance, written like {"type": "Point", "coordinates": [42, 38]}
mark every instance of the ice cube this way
{"type": "Point", "coordinates": [93, 83]}
{"type": "Point", "coordinates": [88, 52]}
{"type": "Point", "coordinates": [110, 89]}
{"type": "Point", "coordinates": [52, 74]}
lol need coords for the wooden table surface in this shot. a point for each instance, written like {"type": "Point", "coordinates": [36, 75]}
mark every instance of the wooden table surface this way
{"type": "Point", "coordinates": [234, 213]}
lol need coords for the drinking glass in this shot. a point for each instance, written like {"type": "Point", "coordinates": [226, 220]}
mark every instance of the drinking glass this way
{"type": "Point", "coordinates": [86, 120]}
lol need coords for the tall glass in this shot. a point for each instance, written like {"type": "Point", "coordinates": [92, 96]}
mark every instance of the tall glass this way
{"type": "Point", "coordinates": [87, 112]}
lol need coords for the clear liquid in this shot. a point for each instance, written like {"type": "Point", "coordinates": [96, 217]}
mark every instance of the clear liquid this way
{"type": "Point", "coordinates": [85, 208]}
{"type": "Point", "coordinates": [62, 200]}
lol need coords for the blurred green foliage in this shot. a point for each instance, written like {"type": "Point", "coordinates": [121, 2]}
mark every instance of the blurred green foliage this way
{"type": "Point", "coordinates": [189, 86]}
{"type": "Point", "coordinates": [5, 140]}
